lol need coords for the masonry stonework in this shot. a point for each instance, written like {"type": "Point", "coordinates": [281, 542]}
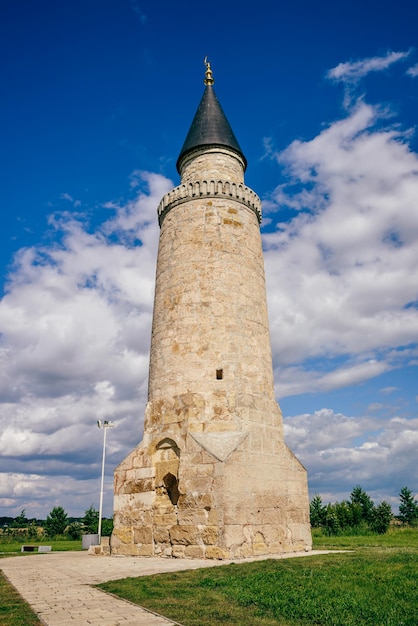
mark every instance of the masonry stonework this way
{"type": "Point", "coordinates": [212, 477]}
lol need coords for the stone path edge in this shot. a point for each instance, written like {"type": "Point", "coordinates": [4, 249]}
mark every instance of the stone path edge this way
{"type": "Point", "coordinates": [168, 619]}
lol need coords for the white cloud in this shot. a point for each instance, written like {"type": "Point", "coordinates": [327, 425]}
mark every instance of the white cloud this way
{"type": "Point", "coordinates": [298, 380]}
{"type": "Point", "coordinates": [388, 390]}
{"type": "Point", "coordinates": [353, 71]}
{"type": "Point", "coordinates": [31, 491]}
{"type": "Point", "coordinates": [341, 273]}
{"type": "Point", "coordinates": [413, 71]}
{"type": "Point", "coordinates": [340, 452]}
{"type": "Point", "coordinates": [75, 331]}
{"type": "Point", "coordinates": [66, 196]}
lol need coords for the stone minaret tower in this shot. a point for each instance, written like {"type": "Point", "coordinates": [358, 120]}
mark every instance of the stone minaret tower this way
{"type": "Point", "coordinates": [212, 476]}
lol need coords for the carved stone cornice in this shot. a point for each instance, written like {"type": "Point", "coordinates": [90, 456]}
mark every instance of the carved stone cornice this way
{"type": "Point", "coordinates": [210, 189]}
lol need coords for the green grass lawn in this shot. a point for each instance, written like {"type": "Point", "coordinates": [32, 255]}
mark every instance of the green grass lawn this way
{"type": "Point", "coordinates": [14, 611]}
{"type": "Point", "coordinates": [376, 584]}
{"type": "Point", "coordinates": [13, 548]}
{"type": "Point", "coordinates": [396, 537]}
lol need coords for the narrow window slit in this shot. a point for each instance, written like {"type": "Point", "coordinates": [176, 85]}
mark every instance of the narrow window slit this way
{"type": "Point", "coordinates": [219, 374]}
{"type": "Point", "coordinates": [172, 486]}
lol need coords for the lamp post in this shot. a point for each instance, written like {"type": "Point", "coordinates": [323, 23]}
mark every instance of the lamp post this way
{"type": "Point", "coordinates": [105, 425]}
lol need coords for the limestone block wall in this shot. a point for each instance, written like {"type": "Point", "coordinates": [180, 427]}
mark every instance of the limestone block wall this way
{"type": "Point", "coordinates": [248, 504]}
{"type": "Point", "coordinates": [216, 162]}
{"type": "Point", "coordinates": [210, 334]}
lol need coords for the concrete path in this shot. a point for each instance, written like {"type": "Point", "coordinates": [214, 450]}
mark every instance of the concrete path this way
{"type": "Point", "coordinates": [58, 585]}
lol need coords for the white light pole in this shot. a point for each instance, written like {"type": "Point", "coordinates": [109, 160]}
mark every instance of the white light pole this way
{"type": "Point", "coordinates": [105, 425]}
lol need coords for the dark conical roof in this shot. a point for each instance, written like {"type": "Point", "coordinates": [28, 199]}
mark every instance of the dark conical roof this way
{"type": "Point", "coordinates": [210, 127]}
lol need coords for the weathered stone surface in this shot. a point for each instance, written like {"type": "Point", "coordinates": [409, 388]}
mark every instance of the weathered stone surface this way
{"type": "Point", "coordinates": [143, 535]}
{"type": "Point", "coordinates": [210, 535]}
{"type": "Point", "coordinates": [191, 517]}
{"type": "Point", "coordinates": [194, 552]}
{"type": "Point", "coordinates": [215, 552]}
{"type": "Point", "coordinates": [199, 500]}
{"type": "Point", "coordinates": [213, 517]}
{"type": "Point", "coordinates": [178, 551]}
{"type": "Point", "coordinates": [165, 519]}
{"type": "Point", "coordinates": [161, 534]}
{"type": "Point", "coordinates": [184, 535]}
{"type": "Point", "coordinates": [138, 486]}
{"type": "Point", "coordinates": [162, 468]}
{"type": "Point", "coordinates": [220, 444]}
{"type": "Point", "coordinates": [234, 535]}
{"type": "Point", "coordinates": [122, 535]}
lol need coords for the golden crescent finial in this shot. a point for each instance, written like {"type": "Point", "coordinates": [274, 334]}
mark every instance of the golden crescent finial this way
{"type": "Point", "coordinates": [208, 74]}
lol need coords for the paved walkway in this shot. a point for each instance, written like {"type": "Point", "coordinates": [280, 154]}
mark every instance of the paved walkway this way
{"type": "Point", "coordinates": [58, 585]}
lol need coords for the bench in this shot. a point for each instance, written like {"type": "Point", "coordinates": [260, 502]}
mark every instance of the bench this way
{"type": "Point", "coordinates": [27, 548]}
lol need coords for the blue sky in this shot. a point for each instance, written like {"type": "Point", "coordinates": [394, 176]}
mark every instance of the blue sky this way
{"type": "Point", "coordinates": [97, 98]}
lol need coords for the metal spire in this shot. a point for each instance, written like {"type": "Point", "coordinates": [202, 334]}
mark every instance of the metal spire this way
{"type": "Point", "coordinates": [209, 80]}
{"type": "Point", "coordinates": [210, 126]}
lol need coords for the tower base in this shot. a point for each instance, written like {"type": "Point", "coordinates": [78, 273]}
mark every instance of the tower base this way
{"type": "Point", "coordinates": [217, 497]}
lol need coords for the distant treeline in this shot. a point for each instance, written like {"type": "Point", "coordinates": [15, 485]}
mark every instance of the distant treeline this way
{"type": "Point", "coordinates": [56, 524]}
{"type": "Point", "coordinates": [359, 514]}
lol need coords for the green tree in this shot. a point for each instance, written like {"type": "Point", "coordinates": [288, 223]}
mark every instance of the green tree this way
{"type": "Point", "coordinates": [21, 521]}
{"type": "Point", "coordinates": [90, 521]}
{"type": "Point", "coordinates": [32, 530]}
{"type": "Point", "coordinates": [56, 522]}
{"type": "Point", "coordinates": [107, 527]}
{"type": "Point", "coordinates": [317, 512]}
{"type": "Point", "coordinates": [331, 525]}
{"type": "Point", "coordinates": [74, 530]}
{"type": "Point", "coordinates": [408, 508]}
{"type": "Point", "coordinates": [360, 497]}
{"type": "Point", "coordinates": [349, 514]}
{"type": "Point", "coordinates": [382, 518]}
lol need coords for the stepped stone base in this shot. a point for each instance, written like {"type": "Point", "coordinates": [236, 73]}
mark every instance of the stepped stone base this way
{"type": "Point", "coordinates": [102, 550]}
